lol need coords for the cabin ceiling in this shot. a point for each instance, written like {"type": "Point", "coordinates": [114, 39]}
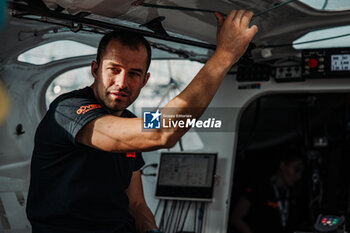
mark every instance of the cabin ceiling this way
{"type": "Point", "coordinates": [280, 22]}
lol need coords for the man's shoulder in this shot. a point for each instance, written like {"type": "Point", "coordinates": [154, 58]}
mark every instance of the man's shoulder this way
{"type": "Point", "coordinates": [84, 93]}
{"type": "Point", "coordinates": [69, 112]}
{"type": "Point", "coordinates": [71, 104]}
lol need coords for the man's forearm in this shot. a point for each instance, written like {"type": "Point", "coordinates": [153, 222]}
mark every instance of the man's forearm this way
{"type": "Point", "coordinates": [203, 87]}
{"type": "Point", "coordinates": [144, 218]}
{"type": "Point", "coordinates": [242, 226]}
{"type": "Point", "coordinates": [196, 97]}
{"type": "Point", "coordinates": [233, 38]}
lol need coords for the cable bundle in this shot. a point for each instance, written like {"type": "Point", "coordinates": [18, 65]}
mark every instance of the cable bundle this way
{"type": "Point", "coordinates": [175, 214]}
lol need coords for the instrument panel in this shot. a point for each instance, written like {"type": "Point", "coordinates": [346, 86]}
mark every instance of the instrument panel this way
{"type": "Point", "coordinates": [326, 63]}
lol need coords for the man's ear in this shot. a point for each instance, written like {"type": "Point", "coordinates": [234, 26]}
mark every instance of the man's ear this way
{"type": "Point", "coordinates": [146, 79]}
{"type": "Point", "coordinates": [94, 68]}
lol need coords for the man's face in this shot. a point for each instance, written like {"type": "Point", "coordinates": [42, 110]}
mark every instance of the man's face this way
{"type": "Point", "coordinates": [292, 171]}
{"type": "Point", "coordinates": [120, 76]}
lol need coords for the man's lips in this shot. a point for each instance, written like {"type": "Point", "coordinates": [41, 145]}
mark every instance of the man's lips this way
{"type": "Point", "coordinates": [119, 94]}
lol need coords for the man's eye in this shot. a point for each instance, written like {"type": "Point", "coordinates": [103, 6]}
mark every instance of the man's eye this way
{"type": "Point", "coordinates": [114, 70]}
{"type": "Point", "coordinates": [135, 74]}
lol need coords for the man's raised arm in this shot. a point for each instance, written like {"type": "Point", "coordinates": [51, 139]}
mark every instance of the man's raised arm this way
{"type": "Point", "coordinates": [116, 134]}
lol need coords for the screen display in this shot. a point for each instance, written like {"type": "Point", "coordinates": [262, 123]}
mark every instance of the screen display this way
{"type": "Point", "coordinates": [186, 176]}
{"type": "Point", "coordinates": [186, 170]}
{"type": "Point", "coordinates": [340, 62]}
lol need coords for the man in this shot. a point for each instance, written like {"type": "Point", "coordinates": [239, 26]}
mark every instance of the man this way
{"type": "Point", "coordinates": [273, 205]}
{"type": "Point", "coordinates": [85, 172]}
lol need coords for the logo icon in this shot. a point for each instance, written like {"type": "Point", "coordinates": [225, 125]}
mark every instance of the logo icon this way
{"type": "Point", "coordinates": [86, 108]}
{"type": "Point", "coordinates": [151, 120]}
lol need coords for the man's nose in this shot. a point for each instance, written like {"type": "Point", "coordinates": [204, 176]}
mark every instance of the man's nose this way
{"type": "Point", "coordinates": [121, 80]}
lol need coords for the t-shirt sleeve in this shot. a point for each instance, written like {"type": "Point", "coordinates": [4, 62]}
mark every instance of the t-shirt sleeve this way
{"type": "Point", "coordinates": [139, 162]}
{"type": "Point", "coordinates": [73, 114]}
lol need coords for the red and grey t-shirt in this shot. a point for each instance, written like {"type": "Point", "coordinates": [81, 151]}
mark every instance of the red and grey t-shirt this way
{"type": "Point", "coordinates": [73, 187]}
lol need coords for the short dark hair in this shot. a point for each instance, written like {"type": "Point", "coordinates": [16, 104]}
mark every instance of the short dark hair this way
{"type": "Point", "coordinates": [130, 39]}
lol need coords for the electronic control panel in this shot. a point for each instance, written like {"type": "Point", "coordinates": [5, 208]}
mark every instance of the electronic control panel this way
{"type": "Point", "coordinates": [288, 73]}
{"type": "Point", "coordinates": [186, 176]}
{"type": "Point", "coordinates": [326, 63]}
{"type": "Point", "coordinates": [328, 223]}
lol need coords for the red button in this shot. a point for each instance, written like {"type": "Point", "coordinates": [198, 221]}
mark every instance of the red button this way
{"type": "Point", "coordinates": [312, 63]}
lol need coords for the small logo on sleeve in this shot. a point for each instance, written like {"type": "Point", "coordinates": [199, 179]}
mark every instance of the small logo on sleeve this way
{"type": "Point", "coordinates": [84, 109]}
{"type": "Point", "coordinates": [131, 154]}
{"type": "Point", "coordinates": [151, 120]}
